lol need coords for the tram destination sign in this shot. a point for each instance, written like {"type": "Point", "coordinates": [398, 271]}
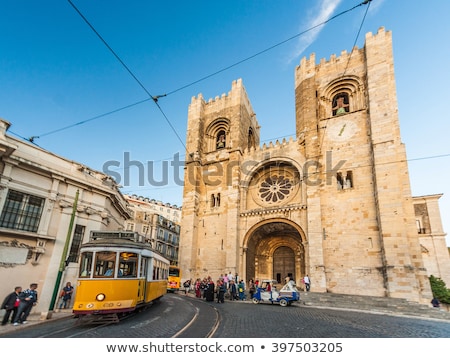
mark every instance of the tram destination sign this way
{"type": "Point", "coordinates": [129, 235]}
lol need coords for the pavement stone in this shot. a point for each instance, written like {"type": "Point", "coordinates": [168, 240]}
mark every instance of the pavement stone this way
{"type": "Point", "coordinates": [36, 318]}
{"type": "Point", "coordinates": [376, 305]}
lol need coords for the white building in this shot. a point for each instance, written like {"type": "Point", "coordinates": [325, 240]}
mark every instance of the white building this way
{"type": "Point", "coordinates": [48, 207]}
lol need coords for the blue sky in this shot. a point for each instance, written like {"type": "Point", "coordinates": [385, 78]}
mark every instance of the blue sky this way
{"type": "Point", "coordinates": [58, 80]}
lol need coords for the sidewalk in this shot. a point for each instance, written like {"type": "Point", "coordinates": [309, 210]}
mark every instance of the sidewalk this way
{"type": "Point", "coordinates": [35, 318]}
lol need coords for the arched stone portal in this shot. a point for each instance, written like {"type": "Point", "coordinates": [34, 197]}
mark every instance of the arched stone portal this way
{"type": "Point", "coordinates": [275, 249]}
{"type": "Point", "coordinates": [283, 263]}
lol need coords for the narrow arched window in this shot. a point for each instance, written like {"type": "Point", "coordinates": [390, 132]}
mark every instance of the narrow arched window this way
{"type": "Point", "coordinates": [251, 139]}
{"type": "Point", "coordinates": [349, 180]}
{"type": "Point", "coordinates": [341, 104]}
{"type": "Point", "coordinates": [220, 140]}
{"type": "Point", "coordinates": [339, 181]}
{"type": "Point", "coordinates": [215, 200]}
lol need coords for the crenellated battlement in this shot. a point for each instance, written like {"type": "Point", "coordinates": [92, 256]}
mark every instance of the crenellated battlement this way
{"type": "Point", "coordinates": [381, 34]}
{"type": "Point", "coordinates": [272, 147]}
{"type": "Point", "coordinates": [236, 96]}
{"type": "Point", "coordinates": [345, 61]}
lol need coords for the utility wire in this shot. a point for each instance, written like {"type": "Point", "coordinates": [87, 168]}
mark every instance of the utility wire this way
{"type": "Point", "coordinates": [155, 98]}
{"type": "Point", "coordinates": [348, 62]}
{"type": "Point", "coordinates": [112, 51]}
{"type": "Point", "coordinates": [269, 48]}
{"type": "Point", "coordinates": [31, 139]}
{"type": "Point", "coordinates": [357, 36]}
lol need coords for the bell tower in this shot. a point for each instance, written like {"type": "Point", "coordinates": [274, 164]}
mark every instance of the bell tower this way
{"type": "Point", "coordinates": [347, 120]}
{"type": "Point", "coordinates": [218, 133]}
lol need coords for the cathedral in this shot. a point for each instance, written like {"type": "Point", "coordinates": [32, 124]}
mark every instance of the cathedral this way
{"type": "Point", "coordinates": [334, 204]}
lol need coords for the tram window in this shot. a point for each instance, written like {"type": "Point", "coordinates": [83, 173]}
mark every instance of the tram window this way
{"type": "Point", "coordinates": [128, 264]}
{"type": "Point", "coordinates": [86, 264]}
{"type": "Point", "coordinates": [174, 271]}
{"type": "Point", "coordinates": [156, 270]}
{"type": "Point", "coordinates": [144, 267]}
{"type": "Point", "coordinates": [105, 262]}
{"type": "Point", "coordinates": [165, 272]}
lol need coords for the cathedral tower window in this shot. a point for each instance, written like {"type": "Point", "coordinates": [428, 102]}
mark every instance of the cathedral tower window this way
{"type": "Point", "coordinates": [341, 104]}
{"type": "Point", "coordinates": [215, 200]}
{"type": "Point", "coordinates": [341, 96]}
{"type": "Point", "coordinates": [217, 135]}
{"type": "Point", "coordinates": [340, 181]}
{"type": "Point", "coordinates": [344, 182]}
{"type": "Point", "coordinates": [251, 139]}
{"type": "Point", "coordinates": [348, 180]}
{"type": "Point", "coordinates": [221, 140]}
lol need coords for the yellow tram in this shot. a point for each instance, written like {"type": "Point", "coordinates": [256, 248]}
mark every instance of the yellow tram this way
{"type": "Point", "coordinates": [119, 273]}
{"type": "Point", "coordinates": [174, 284]}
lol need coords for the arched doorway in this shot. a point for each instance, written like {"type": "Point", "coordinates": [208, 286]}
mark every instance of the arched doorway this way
{"type": "Point", "coordinates": [274, 249]}
{"type": "Point", "coordinates": [283, 263]}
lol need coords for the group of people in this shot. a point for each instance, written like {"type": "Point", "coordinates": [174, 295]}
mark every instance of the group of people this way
{"type": "Point", "coordinates": [18, 304]}
{"type": "Point", "coordinates": [207, 289]}
{"type": "Point", "coordinates": [226, 285]}
{"type": "Point", "coordinates": [229, 285]}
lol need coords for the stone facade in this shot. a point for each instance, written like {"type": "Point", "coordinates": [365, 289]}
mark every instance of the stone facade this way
{"type": "Point", "coordinates": [335, 203]}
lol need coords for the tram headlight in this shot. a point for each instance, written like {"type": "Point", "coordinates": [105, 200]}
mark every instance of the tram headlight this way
{"type": "Point", "coordinates": [100, 297]}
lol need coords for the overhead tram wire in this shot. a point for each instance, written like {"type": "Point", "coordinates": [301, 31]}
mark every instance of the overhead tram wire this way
{"type": "Point", "coordinates": [268, 48]}
{"type": "Point", "coordinates": [155, 98]}
{"type": "Point", "coordinates": [31, 139]}
{"type": "Point", "coordinates": [348, 61]}
{"type": "Point", "coordinates": [357, 36]}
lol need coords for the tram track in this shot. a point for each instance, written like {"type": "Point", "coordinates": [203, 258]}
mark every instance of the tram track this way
{"type": "Point", "coordinates": [175, 316]}
{"type": "Point", "coordinates": [203, 324]}
{"type": "Point", "coordinates": [85, 329]}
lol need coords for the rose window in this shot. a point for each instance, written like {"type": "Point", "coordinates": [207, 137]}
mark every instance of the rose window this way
{"type": "Point", "coordinates": [274, 189]}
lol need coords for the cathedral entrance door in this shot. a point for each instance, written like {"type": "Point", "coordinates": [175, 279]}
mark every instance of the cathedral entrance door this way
{"type": "Point", "coordinates": [283, 263]}
{"type": "Point", "coordinates": [274, 250]}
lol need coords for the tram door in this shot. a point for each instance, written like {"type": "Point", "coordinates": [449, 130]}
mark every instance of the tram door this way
{"type": "Point", "coordinates": [143, 279]}
{"type": "Point", "coordinates": [283, 263]}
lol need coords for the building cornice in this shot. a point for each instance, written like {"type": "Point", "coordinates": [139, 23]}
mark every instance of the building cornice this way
{"type": "Point", "coordinates": [265, 211]}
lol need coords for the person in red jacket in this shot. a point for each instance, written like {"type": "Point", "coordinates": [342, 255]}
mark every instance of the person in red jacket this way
{"type": "Point", "coordinates": [10, 305]}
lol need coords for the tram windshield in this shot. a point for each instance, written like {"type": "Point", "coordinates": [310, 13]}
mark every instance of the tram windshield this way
{"type": "Point", "coordinates": [105, 262]}
{"type": "Point", "coordinates": [128, 264]}
{"type": "Point", "coordinates": [174, 271]}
